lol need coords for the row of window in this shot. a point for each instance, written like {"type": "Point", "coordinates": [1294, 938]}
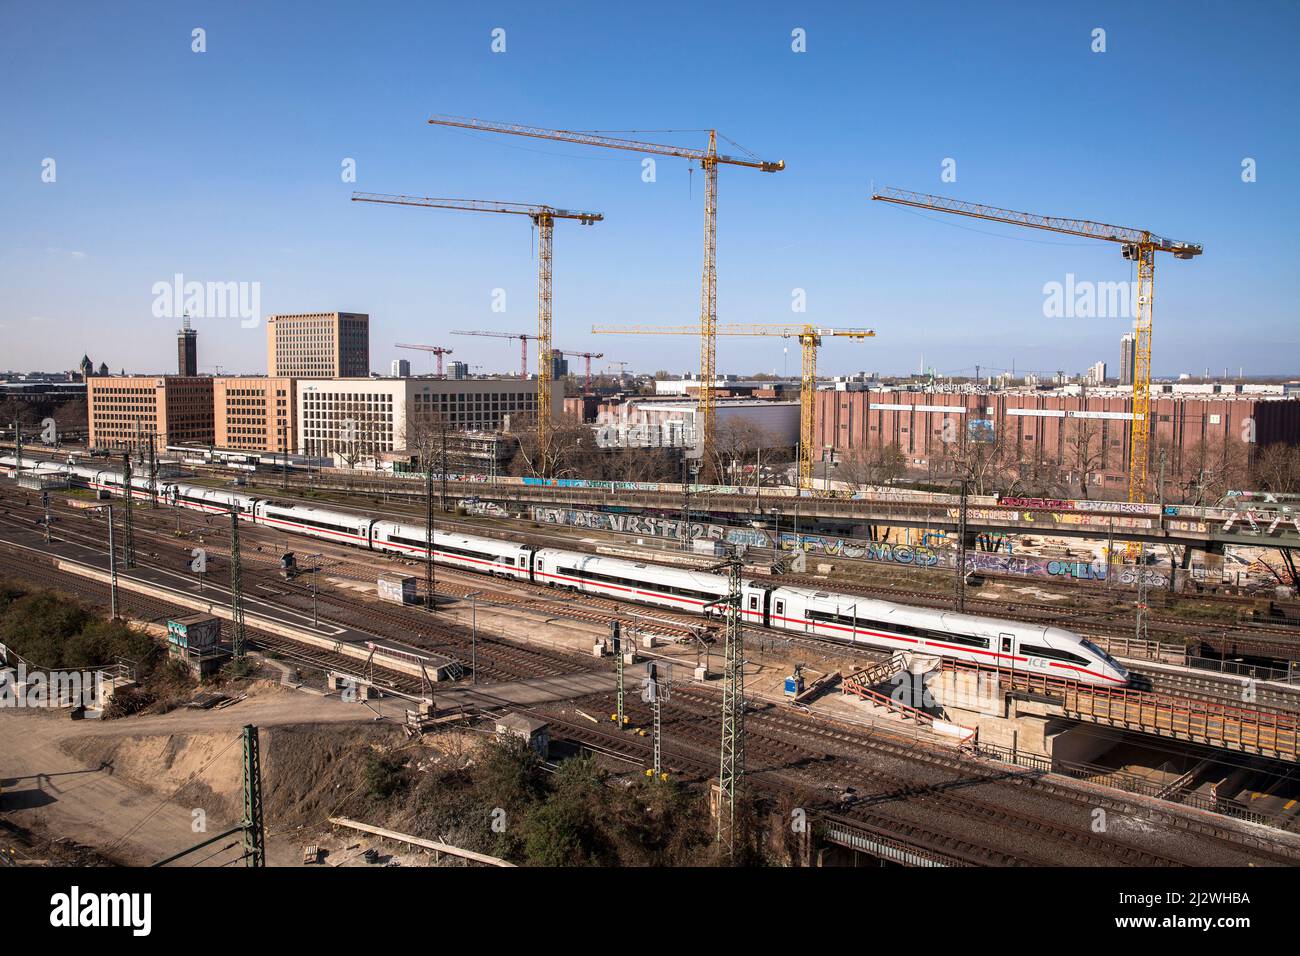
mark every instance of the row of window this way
{"type": "Point", "coordinates": [452, 549]}
{"type": "Point", "coordinates": [905, 630]}
{"type": "Point", "coordinates": [315, 523]}
{"type": "Point", "coordinates": [1029, 650]}
{"type": "Point", "coordinates": [635, 583]}
{"type": "Point", "coordinates": [1034, 650]}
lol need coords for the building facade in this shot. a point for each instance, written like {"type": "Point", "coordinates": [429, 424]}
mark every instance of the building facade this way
{"type": "Point", "coordinates": [125, 411]}
{"type": "Point", "coordinates": [1051, 427]}
{"type": "Point", "coordinates": [318, 345]}
{"type": "Point", "coordinates": [254, 413]}
{"type": "Point", "coordinates": [363, 418]}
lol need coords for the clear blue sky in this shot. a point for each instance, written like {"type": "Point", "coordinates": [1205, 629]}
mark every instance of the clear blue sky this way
{"type": "Point", "coordinates": [225, 166]}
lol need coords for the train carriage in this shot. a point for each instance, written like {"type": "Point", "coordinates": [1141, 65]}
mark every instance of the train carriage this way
{"type": "Point", "coordinates": [1052, 651]}
{"type": "Point", "coordinates": [486, 555]}
{"type": "Point", "coordinates": [631, 580]}
{"type": "Point", "coordinates": [317, 522]}
{"type": "Point", "coordinates": [1031, 648]}
{"type": "Point", "coordinates": [209, 500]}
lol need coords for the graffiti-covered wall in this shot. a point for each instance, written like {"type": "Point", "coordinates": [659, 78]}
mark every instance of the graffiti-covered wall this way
{"type": "Point", "coordinates": [837, 547]}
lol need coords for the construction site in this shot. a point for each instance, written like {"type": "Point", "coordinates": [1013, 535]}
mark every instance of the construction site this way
{"type": "Point", "coordinates": [437, 572]}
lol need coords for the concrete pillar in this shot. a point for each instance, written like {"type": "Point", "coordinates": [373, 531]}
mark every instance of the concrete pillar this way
{"type": "Point", "coordinates": [1214, 562]}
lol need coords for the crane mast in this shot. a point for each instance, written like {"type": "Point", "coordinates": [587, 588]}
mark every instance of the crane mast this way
{"type": "Point", "coordinates": [437, 351]}
{"type": "Point", "coordinates": [585, 356]}
{"type": "Point", "coordinates": [709, 160]}
{"type": "Point", "coordinates": [523, 337]}
{"type": "Point", "coordinates": [1137, 245]}
{"type": "Point", "coordinates": [810, 339]}
{"type": "Point", "coordinates": [544, 218]}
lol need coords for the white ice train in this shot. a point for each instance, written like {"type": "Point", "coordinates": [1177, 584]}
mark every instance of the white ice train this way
{"type": "Point", "coordinates": [842, 617]}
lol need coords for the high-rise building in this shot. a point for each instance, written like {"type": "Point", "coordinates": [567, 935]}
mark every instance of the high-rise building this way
{"type": "Point", "coordinates": [457, 370]}
{"type": "Point", "coordinates": [559, 364]}
{"type": "Point", "coordinates": [187, 349]}
{"type": "Point", "coordinates": [401, 368]}
{"type": "Point", "coordinates": [318, 345]}
{"type": "Point", "coordinates": [1127, 359]}
{"type": "Point", "coordinates": [1096, 374]}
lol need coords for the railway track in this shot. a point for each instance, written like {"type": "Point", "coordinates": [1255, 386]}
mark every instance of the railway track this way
{"type": "Point", "coordinates": [497, 659]}
{"type": "Point", "coordinates": [1057, 614]}
{"type": "Point", "coordinates": [793, 757]}
{"type": "Point", "coordinates": [157, 611]}
{"type": "Point", "coordinates": [1094, 621]}
{"type": "Point", "coordinates": [866, 757]}
{"type": "Point", "coordinates": [416, 627]}
{"type": "Point", "coordinates": [790, 766]}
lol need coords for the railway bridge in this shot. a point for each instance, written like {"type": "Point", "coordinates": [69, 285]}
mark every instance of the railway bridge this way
{"type": "Point", "coordinates": [996, 700]}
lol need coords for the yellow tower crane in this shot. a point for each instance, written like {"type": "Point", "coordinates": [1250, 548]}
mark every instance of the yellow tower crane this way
{"type": "Point", "coordinates": [544, 218]}
{"type": "Point", "coordinates": [709, 160]}
{"type": "Point", "coordinates": [810, 339]}
{"type": "Point", "coordinates": [1138, 245]}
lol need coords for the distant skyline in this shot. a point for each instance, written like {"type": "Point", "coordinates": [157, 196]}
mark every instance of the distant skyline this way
{"type": "Point", "coordinates": [226, 166]}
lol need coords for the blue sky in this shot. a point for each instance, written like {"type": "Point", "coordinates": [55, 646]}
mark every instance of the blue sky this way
{"type": "Point", "coordinates": [224, 166]}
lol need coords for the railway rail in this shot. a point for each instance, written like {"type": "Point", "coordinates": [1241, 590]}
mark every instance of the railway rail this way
{"type": "Point", "coordinates": [927, 816]}
{"type": "Point", "coordinates": [534, 597]}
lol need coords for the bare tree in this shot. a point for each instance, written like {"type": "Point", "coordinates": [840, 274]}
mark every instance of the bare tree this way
{"type": "Point", "coordinates": [571, 450]}
{"type": "Point", "coordinates": [1083, 448]}
{"type": "Point", "coordinates": [640, 464]}
{"type": "Point", "coordinates": [735, 445]}
{"type": "Point", "coordinates": [985, 464]}
{"type": "Point", "coordinates": [865, 467]}
{"type": "Point", "coordinates": [1211, 468]}
{"type": "Point", "coordinates": [1277, 468]}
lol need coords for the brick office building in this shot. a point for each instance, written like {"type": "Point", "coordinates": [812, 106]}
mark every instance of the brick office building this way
{"type": "Point", "coordinates": [125, 410]}
{"type": "Point", "coordinates": [254, 413]}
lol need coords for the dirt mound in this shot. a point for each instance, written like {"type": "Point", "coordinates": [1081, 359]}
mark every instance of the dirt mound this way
{"type": "Point", "coordinates": [201, 771]}
{"type": "Point", "coordinates": [320, 771]}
